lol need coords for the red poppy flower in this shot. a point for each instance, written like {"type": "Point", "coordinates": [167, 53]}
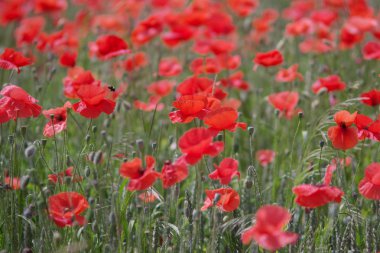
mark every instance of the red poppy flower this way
{"type": "Point", "coordinates": [153, 104]}
{"type": "Point", "coordinates": [169, 67]}
{"type": "Point", "coordinates": [317, 46]}
{"type": "Point", "coordinates": [11, 59]}
{"type": "Point", "coordinates": [17, 103]}
{"type": "Point", "coordinates": [140, 178]}
{"type": "Point", "coordinates": [285, 102]}
{"type": "Point", "coordinates": [161, 88]}
{"type": "Point", "coordinates": [189, 107]}
{"type": "Point", "coordinates": [343, 136]}
{"type": "Point", "coordinates": [289, 75]}
{"type": "Point", "coordinates": [173, 173]}
{"type": "Point", "coordinates": [268, 59]}
{"type": "Point", "coordinates": [178, 33]}
{"type": "Point", "coordinates": [94, 100]}
{"type": "Point", "coordinates": [220, 23]}
{"type": "Point", "coordinates": [65, 208]}
{"type": "Point", "coordinates": [50, 5]}
{"type": "Point", "coordinates": [367, 128]}
{"type": "Point", "coordinates": [76, 78]}
{"type": "Point", "coordinates": [371, 98]}
{"type": "Point", "coordinates": [136, 62]}
{"type": "Point", "coordinates": [369, 186]}
{"type": "Point", "coordinates": [371, 50]}
{"type": "Point", "coordinates": [268, 229]}
{"type": "Point", "coordinates": [68, 59]}
{"type": "Point", "coordinates": [329, 173]}
{"type": "Point", "coordinates": [197, 142]}
{"type": "Point", "coordinates": [58, 123]}
{"type": "Point", "coordinates": [312, 196]}
{"type": "Point", "coordinates": [303, 26]}
{"type": "Point", "coordinates": [236, 80]}
{"type": "Point", "coordinates": [108, 46]}
{"type": "Point", "coordinates": [205, 66]}
{"type": "Point", "coordinates": [147, 197]}
{"type": "Point", "coordinates": [243, 8]}
{"type": "Point", "coordinates": [146, 30]}
{"type": "Point", "coordinates": [14, 182]}
{"type": "Point", "coordinates": [265, 156]}
{"type": "Point", "coordinates": [223, 118]}
{"type": "Point", "coordinates": [229, 199]}
{"type": "Point", "coordinates": [222, 47]}
{"type": "Point", "coordinates": [59, 177]}
{"type": "Point", "coordinates": [227, 169]}
{"type": "Point", "coordinates": [28, 30]}
{"type": "Point", "coordinates": [330, 84]}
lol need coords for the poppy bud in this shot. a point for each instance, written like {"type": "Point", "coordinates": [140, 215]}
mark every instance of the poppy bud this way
{"type": "Point", "coordinates": [27, 213]}
{"type": "Point", "coordinates": [103, 133]}
{"type": "Point", "coordinates": [11, 139]}
{"type": "Point", "coordinates": [43, 142]}
{"type": "Point", "coordinates": [216, 199]}
{"type": "Point", "coordinates": [24, 181]}
{"type": "Point", "coordinates": [127, 106]}
{"type": "Point", "coordinates": [94, 129]}
{"type": "Point", "coordinates": [300, 115]}
{"type": "Point", "coordinates": [87, 171]}
{"type": "Point", "coordinates": [248, 183]}
{"type": "Point", "coordinates": [27, 250]}
{"type": "Point", "coordinates": [171, 139]}
{"type": "Point", "coordinates": [154, 146]}
{"type": "Point", "coordinates": [88, 137]}
{"type": "Point", "coordinates": [251, 130]}
{"type": "Point", "coordinates": [219, 137]}
{"type": "Point", "coordinates": [23, 131]}
{"type": "Point", "coordinates": [140, 144]}
{"type": "Point", "coordinates": [98, 157]}
{"type": "Point", "coordinates": [30, 151]}
{"type": "Point", "coordinates": [321, 144]}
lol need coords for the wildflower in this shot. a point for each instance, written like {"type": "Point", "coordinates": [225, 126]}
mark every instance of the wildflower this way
{"type": "Point", "coordinates": [344, 135]}
{"type": "Point", "coordinates": [268, 229]}
{"type": "Point", "coordinates": [140, 178]}
{"type": "Point", "coordinates": [227, 169]}
{"type": "Point", "coordinates": [227, 199]}
{"type": "Point", "coordinates": [65, 208]}
{"type": "Point", "coordinates": [197, 142]}
{"type": "Point", "coordinates": [369, 186]}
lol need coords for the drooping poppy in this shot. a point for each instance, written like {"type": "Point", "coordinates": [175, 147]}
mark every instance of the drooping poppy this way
{"type": "Point", "coordinates": [140, 178]}
{"type": "Point", "coordinates": [17, 103]}
{"type": "Point", "coordinates": [228, 199]}
{"type": "Point", "coordinates": [343, 136]}
{"type": "Point", "coordinates": [58, 123]}
{"type": "Point", "coordinates": [173, 173]}
{"type": "Point", "coordinates": [369, 186]}
{"type": "Point", "coordinates": [108, 46]}
{"type": "Point", "coordinates": [95, 99]}
{"type": "Point", "coordinates": [11, 59]}
{"type": "Point", "coordinates": [268, 229]}
{"type": "Point", "coordinates": [65, 209]}
{"type": "Point", "coordinates": [367, 127]}
{"type": "Point", "coordinates": [265, 157]}
{"type": "Point", "coordinates": [330, 84]}
{"type": "Point", "coordinates": [268, 59]}
{"type": "Point", "coordinates": [197, 142]}
{"type": "Point", "coordinates": [223, 118]}
{"type": "Point", "coordinates": [224, 172]}
{"type": "Point", "coordinates": [371, 98]}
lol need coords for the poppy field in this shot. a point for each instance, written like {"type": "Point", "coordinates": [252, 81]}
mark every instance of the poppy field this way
{"type": "Point", "coordinates": [189, 126]}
